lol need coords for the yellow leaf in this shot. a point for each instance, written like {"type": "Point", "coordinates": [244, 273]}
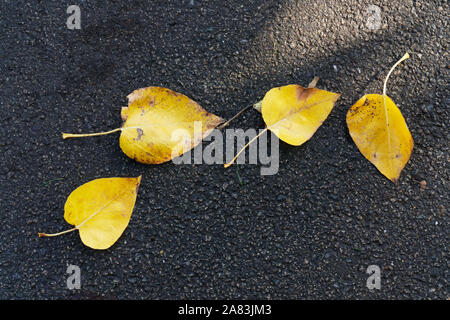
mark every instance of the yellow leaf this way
{"type": "Point", "coordinates": [294, 113]}
{"type": "Point", "coordinates": [160, 124]}
{"type": "Point", "coordinates": [382, 137]}
{"type": "Point", "coordinates": [380, 132]}
{"type": "Point", "coordinates": [100, 210]}
{"type": "Point", "coordinates": [154, 115]}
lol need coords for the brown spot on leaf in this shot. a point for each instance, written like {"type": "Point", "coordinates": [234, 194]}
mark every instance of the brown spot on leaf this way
{"type": "Point", "coordinates": [303, 94]}
{"type": "Point", "coordinates": [173, 93]}
{"type": "Point", "coordinates": [140, 134]}
{"type": "Point", "coordinates": [151, 101]}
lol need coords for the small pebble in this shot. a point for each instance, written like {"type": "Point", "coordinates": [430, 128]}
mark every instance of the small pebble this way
{"type": "Point", "coordinates": [423, 184]}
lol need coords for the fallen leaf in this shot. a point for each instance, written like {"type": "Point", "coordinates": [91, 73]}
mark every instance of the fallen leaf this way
{"type": "Point", "coordinates": [312, 84]}
{"type": "Point", "coordinates": [380, 132]}
{"type": "Point", "coordinates": [294, 113]}
{"type": "Point", "coordinates": [100, 210]}
{"type": "Point", "coordinates": [160, 124]}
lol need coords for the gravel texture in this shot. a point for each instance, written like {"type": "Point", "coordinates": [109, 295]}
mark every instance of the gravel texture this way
{"type": "Point", "coordinates": [202, 231]}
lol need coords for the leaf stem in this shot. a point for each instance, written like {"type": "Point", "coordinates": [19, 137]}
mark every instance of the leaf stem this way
{"type": "Point", "coordinates": [406, 56]}
{"type": "Point", "coordinates": [80, 135]}
{"type": "Point", "coordinates": [313, 82]}
{"type": "Point", "coordinates": [226, 165]}
{"type": "Point", "coordinates": [223, 125]}
{"type": "Point", "coordinates": [55, 234]}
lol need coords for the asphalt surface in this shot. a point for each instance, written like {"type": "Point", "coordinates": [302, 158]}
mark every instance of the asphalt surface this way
{"type": "Point", "coordinates": [202, 231]}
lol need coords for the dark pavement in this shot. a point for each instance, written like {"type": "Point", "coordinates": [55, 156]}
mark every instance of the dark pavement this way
{"type": "Point", "coordinates": [202, 231]}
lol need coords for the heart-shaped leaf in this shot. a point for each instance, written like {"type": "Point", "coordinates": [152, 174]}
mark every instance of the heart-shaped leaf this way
{"type": "Point", "coordinates": [160, 124]}
{"type": "Point", "coordinates": [294, 113]}
{"type": "Point", "coordinates": [380, 132]}
{"type": "Point", "coordinates": [100, 210]}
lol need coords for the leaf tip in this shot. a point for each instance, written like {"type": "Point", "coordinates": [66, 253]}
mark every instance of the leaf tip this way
{"type": "Point", "coordinates": [257, 106]}
{"type": "Point", "coordinates": [138, 183]}
{"type": "Point", "coordinates": [394, 179]}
